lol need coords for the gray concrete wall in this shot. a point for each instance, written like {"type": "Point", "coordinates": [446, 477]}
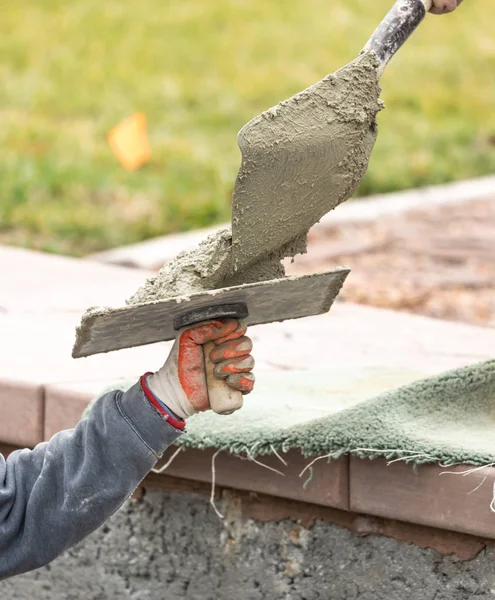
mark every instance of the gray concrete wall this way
{"type": "Point", "coordinates": [171, 546]}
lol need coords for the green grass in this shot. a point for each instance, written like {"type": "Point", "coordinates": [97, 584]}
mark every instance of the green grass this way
{"type": "Point", "coordinates": [69, 71]}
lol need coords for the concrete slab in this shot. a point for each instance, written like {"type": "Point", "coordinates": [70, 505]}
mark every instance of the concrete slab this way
{"type": "Point", "coordinates": [36, 282]}
{"type": "Point", "coordinates": [349, 335]}
{"type": "Point", "coordinates": [36, 348]}
{"type": "Point", "coordinates": [37, 336]}
{"type": "Point", "coordinates": [41, 301]}
{"type": "Point", "coordinates": [365, 336]}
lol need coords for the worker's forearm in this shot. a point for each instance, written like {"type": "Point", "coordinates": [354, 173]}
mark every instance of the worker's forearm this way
{"type": "Point", "coordinates": [55, 495]}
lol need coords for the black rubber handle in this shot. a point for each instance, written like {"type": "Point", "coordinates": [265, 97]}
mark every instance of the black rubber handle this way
{"type": "Point", "coordinates": [237, 310]}
{"type": "Point", "coordinates": [396, 27]}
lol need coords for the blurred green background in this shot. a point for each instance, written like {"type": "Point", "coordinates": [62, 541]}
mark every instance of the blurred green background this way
{"type": "Point", "coordinates": [199, 70]}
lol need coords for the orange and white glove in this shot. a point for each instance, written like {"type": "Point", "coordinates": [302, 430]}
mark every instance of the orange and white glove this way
{"type": "Point", "coordinates": [180, 384]}
{"type": "Point", "coordinates": [442, 7]}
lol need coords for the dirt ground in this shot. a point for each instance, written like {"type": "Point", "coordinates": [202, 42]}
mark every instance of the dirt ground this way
{"type": "Point", "coordinates": [438, 262]}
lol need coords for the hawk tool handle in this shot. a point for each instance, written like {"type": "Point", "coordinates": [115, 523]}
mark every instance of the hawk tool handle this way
{"type": "Point", "coordinates": [223, 399]}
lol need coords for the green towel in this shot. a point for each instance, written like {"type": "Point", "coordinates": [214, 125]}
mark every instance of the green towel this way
{"type": "Point", "coordinates": [369, 412]}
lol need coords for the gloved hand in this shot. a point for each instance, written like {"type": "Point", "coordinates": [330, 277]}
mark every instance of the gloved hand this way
{"type": "Point", "coordinates": [181, 383]}
{"type": "Point", "coordinates": [442, 7]}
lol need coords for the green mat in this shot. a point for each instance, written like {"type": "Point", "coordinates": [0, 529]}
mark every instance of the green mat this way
{"type": "Point", "coordinates": [369, 412]}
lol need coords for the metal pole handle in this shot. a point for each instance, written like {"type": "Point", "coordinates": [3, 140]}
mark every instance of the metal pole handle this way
{"type": "Point", "coordinates": [396, 27]}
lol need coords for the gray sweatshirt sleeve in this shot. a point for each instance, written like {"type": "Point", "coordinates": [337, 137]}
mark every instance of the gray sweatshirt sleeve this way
{"type": "Point", "coordinates": [55, 495]}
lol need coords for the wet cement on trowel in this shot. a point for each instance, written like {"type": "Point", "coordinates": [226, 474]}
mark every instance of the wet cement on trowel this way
{"type": "Point", "coordinates": [209, 267]}
{"type": "Point", "coordinates": [300, 160]}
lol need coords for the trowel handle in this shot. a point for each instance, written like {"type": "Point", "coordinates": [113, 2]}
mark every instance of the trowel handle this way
{"type": "Point", "coordinates": [223, 399]}
{"type": "Point", "coordinates": [396, 27]}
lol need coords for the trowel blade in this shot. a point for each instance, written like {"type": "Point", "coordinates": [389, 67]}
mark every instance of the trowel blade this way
{"type": "Point", "coordinates": [301, 159]}
{"type": "Point", "coordinates": [106, 329]}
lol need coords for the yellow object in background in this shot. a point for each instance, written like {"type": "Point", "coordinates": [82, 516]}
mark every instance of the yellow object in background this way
{"type": "Point", "coordinates": [129, 141]}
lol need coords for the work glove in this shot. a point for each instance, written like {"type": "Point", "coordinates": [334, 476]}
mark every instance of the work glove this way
{"type": "Point", "coordinates": [442, 7]}
{"type": "Point", "coordinates": [181, 383]}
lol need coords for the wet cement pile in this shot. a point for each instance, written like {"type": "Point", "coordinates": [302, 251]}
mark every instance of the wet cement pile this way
{"type": "Point", "coordinates": [209, 267]}
{"type": "Point", "coordinates": [300, 160]}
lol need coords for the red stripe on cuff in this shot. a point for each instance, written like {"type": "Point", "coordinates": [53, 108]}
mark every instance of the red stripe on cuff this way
{"type": "Point", "coordinates": [178, 424]}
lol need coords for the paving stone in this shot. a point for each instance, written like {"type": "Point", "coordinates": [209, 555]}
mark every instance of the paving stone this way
{"type": "Point", "coordinates": [429, 495]}
{"type": "Point", "coordinates": [329, 483]}
{"type": "Point", "coordinates": [21, 412]}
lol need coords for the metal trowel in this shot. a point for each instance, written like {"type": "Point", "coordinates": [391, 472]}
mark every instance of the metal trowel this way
{"type": "Point", "coordinates": [297, 165]}
{"type": "Point", "coordinates": [277, 200]}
